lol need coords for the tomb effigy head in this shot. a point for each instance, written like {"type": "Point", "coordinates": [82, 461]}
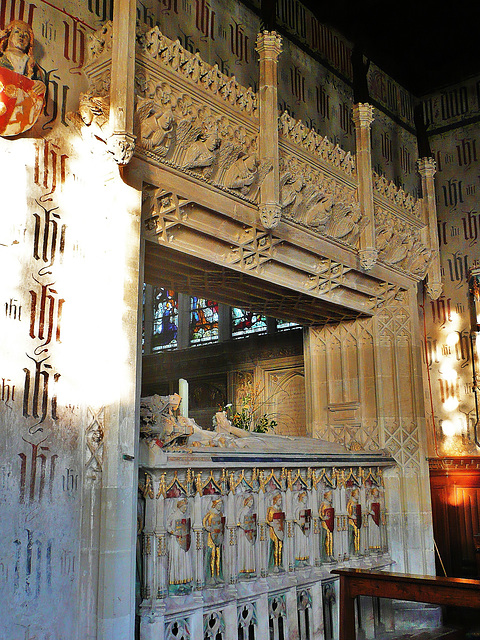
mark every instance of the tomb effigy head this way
{"type": "Point", "coordinates": [21, 90]}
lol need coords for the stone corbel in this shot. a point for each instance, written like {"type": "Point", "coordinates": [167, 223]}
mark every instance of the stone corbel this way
{"type": "Point", "coordinates": [121, 145]}
{"type": "Point", "coordinates": [362, 119]}
{"type": "Point", "coordinates": [269, 47]}
{"type": "Point", "coordinates": [426, 168]}
{"type": "Point", "coordinates": [122, 85]}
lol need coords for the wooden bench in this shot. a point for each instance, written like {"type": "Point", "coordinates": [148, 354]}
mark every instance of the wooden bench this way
{"type": "Point", "coordinates": [458, 592]}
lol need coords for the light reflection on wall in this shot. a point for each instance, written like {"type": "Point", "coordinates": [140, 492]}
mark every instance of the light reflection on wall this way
{"type": "Point", "coordinates": [94, 351]}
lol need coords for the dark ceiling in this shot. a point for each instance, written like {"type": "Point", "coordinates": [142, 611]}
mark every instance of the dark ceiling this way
{"type": "Point", "coordinates": [424, 44]}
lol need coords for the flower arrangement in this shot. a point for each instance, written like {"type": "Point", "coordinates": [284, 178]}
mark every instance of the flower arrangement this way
{"type": "Point", "coordinates": [248, 417]}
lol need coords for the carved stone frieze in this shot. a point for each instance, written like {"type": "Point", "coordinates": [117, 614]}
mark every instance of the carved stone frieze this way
{"type": "Point", "coordinates": [170, 53]}
{"type": "Point", "coordinates": [399, 244]}
{"type": "Point", "coordinates": [396, 195]}
{"type": "Point", "coordinates": [318, 202]}
{"type": "Point", "coordinates": [191, 136]}
{"type": "Point", "coordinates": [296, 132]}
{"type": "Point", "coordinates": [100, 42]}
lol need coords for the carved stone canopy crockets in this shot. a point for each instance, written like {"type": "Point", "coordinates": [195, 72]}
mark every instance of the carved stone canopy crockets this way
{"type": "Point", "coordinates": [200, 140]}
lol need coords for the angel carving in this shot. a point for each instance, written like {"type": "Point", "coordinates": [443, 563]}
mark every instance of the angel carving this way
{"type": "Point", "coordinates": [156, 126]}
{"type": "Point", "coordinates": [201, 153]}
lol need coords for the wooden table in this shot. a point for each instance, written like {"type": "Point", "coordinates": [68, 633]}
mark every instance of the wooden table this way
{"type": "Point", "coordinates": [458, 592]}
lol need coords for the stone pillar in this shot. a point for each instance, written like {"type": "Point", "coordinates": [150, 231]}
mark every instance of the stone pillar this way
{"type": "Point", "coordinates": [122, 103]}
{"type": "Point", "coordinates": [269, 48]}
{"type": "Point", "coordinates": [427, 168]}
{"type": "Point", "coordinates": [363, 118]}
{"type": "Point", "coordinates": [118, 517]}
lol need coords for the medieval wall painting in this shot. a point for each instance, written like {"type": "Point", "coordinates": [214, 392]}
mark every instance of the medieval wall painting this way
{"type": "Point", "coordinates": [447, 341]}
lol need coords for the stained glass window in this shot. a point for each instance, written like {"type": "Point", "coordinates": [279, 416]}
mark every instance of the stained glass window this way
{"type": "Point", "coordinates": [165, 319]}
{"type": "Point", "coordinates": [203, 320]}
{"type": "Point", "coordinates": [246, 322]}
{"type": "Point", "coordinates": [283, 325]}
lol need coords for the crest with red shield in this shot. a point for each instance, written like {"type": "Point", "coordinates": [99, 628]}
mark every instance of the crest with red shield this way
{"type": "Point", "coordinates": [375, 507]}
{"type": "Point", "coordinates": [278, 519]}
{"type": "Point", "coordinates": [329, 518]}
{"type": "Point", "coordinates": [182, 528]}
{"type": "Point", "coordinates": [250, 527]}
{"type": "Point", "coordinates": [358, 516]}
{"type": "Point", "coordinates": [217, 529]}
{"type": "Point", "coordinates": [305, 518]}
{"type": "Point", "coordinates": [20, 104]}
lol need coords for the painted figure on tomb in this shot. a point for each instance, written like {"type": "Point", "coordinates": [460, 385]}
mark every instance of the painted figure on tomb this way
{"type": "Point", "coordinates": [275, 522]}
{"type": "Point", "coordinates": [178, 525]}
{"type": "Point", "coordinates": [327, 519]}
{"type": "Point", "coordinates": [354, 515]}
{"type": "Point", "coordinates": [214, 525]}
{"type": "Point", "coordinates": [373, 513]}
{"type": "Point", "coordinates": [247, 523]}
{"type": "Point", "coordinates": [21, 90]}
{"type": "Point", "coordinates": [302, 520]}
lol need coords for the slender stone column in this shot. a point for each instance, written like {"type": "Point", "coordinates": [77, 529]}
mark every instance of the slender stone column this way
{"type": "Point", "coordinates": [427, 168]}
{"type": "Point", "coordinates": [122, 141]}
{"type": "Point", "coordinates": [269, 48]}
{"type": "Point", "coordinates": [363, 118]}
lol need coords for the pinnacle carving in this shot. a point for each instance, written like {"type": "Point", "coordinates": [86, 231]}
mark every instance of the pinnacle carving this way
{"type": "Point", "coordinates": [426, 167]}
{"type": "Point", "coordinates": [269, 42]}
{"type": "Point", "coordinates": [362, 114]}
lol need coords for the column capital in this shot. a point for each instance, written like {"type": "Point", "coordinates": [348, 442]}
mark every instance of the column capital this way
{"type": "Point", "coordinates": [362, 114]}
{"type": "Point", "coordinates": [269, 44]}
{"type": "Point", "coordinates": [426, 167]}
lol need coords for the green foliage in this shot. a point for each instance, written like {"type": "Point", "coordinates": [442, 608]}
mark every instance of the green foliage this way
{"type": "Point", "coordinates": [247, 417]}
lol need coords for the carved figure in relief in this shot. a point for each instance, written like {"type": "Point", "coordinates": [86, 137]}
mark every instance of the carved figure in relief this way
{"type": "Point", "coordinates": [247, 524]}
{"type": "Point", "coordinates": [202, 153]}
{"type": "Point", "coordinates": [214, 526]}
{"type": "Point", "coordinates": [93, 113]}
{"type": "Point", "coordinates": [374, 515]}
{"type": "Point", "coordinates": [156, 126]}
{"type": "Point", "coordinates": [354, 518]}
{"type": "Point", "coordinates": [275, 522]}
{"type": "Point", "coordinates": [178, 525]}
{"type": "Point", "coordinates": [346, 223]}
{"type": "Point", "coordinates": [302, 521]}
{"type": "Point", "coordinates": [21, 89]}
{"type": "Point", "coordinates": [327, 519]}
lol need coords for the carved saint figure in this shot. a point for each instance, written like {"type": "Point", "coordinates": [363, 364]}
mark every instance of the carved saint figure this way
{"type": "Point", "coordinates": [247, 524]}
{"type": "Point", "coordinates": [21, 90]}
{"type": "Point", "coordinates": [214, 525]}
{"type": "Point", "coordinates": [354, 515]}
{"type": "Point", "coordinates": [275, 522]}
{"type": "Point", "coordinates": [327, 519]}
{"type": "Point", "coordinates": [373, 513]}
{"type": "Point", "coordinates": [302, 521]}
{"type": "Point", "coordinates": [16, 51]}
{"type": "Point", "coordinates": [180, 575]}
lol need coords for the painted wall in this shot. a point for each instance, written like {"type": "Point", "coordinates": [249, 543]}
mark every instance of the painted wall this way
{"type": "Point", "coordinates": [456, 148]}
{"type": "Point", "coordinates": [67, 320]}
